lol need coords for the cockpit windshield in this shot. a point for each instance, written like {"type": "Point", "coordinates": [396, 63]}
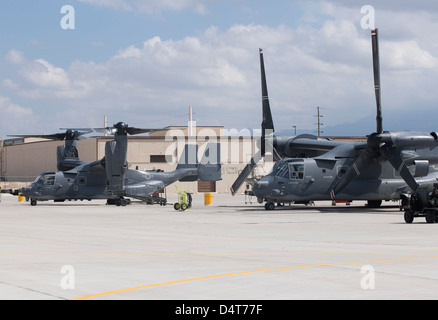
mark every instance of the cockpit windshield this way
{"type": "Point", "coordinates": [47, 179]}
{"type": "Point", "coordinates": [293, 170]}
{"type": "Point", "coordinates": [280, 169]}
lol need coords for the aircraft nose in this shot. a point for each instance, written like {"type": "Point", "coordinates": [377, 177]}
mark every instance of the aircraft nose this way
{"type": "Point", "coordinates": [25, 191]}
{"type": "Point", "coordinates": [261, 187]}
{"type": "Point", "coordinates": [261, 184]}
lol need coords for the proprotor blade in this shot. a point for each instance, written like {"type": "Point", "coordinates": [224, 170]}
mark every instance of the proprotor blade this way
{"type": "Point", "coordinates": [392, 154]}
{"type": "Point", "coordinates": [245, 173]}
{"type": "Point", "coordinates": [376, 69]}
{"type": "Point", "coordinates": [267, 123]}
{"type": "Point", "coordinates": [55, 136]}
{"type": "Point", "coordinates": [365, 160]}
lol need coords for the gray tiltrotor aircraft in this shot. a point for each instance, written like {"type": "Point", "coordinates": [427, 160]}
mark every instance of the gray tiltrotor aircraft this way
{"type": "Point", "coordinates": [110, 178]}
{"type": "Point", "coordinates": [280, 144]}
{"type": "Point", "coordinates": [382, 168]}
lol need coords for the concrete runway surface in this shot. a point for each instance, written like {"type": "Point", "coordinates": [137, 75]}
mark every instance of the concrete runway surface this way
{"type": "Point", "coordinates": [227, 250]}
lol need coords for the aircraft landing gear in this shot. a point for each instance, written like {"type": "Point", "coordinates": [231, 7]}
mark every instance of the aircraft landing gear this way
{"type": "Point", "coordinates": [159, 200]}
{"type": "Point", "coordinates": [269, 206]}
{"type": "Point", "coordinates": [374, 203]}
{"type": "Point", "coordinates": [33, 202]}
{"type": "Point", "coordinates": [118, 202]}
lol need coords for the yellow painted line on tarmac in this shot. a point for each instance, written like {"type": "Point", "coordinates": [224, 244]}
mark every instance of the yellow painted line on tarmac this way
{"type": "Point", "coordinates": [247, 272]}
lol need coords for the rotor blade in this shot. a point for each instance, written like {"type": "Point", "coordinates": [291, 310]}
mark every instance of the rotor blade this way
{"type": "Point", "coordinates": [362, 162]}
{"type": "Point", "coordinates": [376, 70]}
{"type": "Point", "coordinates": [56, 136]}
{"type": "Point", "coordinates": [113, 130]}
{"type": "Point", "coordinates": [76, 135]}
{"type": "Point", "coordinates": [267, 123]}
{"type": "Point", "coordinates": [392, 154]}
{"type": "Point", "coordinates": [107, 130]}
{"type": "Point", "coordinates": [245, 173]}
{"type": "Point", "coordinates": [133, 131]}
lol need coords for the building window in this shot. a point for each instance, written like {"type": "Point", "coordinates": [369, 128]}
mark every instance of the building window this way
{"type": "Point", "coordinates": [158, 158]}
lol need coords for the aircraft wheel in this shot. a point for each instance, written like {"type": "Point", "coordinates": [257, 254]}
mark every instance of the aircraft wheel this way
{"type": "Point", "coordinates": [33, 202]}
{"type": "Point", "coordinates": [409, 216]}
{"type": "Point", "coordinates": [374, 203]}
{"type": "Point", "coordinates": [430, 216]}
{"type": "Point", "coordinates": [177, 206]}
{"type": "Point", "coordinates": [269, 206]}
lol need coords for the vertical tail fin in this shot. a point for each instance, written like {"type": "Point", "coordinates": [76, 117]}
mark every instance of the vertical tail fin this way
{"type": "Point", "coordinates": [189, 160]}
{"type": "Point", "coordinates": [210, 167]}
{"type": "Point", "coordinates": [115, 163]}
{"type": "Point", "coordinates": [189, 157]}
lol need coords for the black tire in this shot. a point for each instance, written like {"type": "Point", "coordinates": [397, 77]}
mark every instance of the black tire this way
{"type": "Point", "coordinates": [430, 216]}
{"type": "Point", "coordinates": [374, 203]}
{"type": "Point", "coordinates": [33, 202]}
{"type": "Point", "coordinates": [177, 206]}
{"type": "Point", "coordinates": [189, 200]}
{"type": "Point", "coordinates": [269, 206]}
{"type": "Point", "coordinates": [409, 216]}
{"type": "Point", "coordinates": [184, 207]}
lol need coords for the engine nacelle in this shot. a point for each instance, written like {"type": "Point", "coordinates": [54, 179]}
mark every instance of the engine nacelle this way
{"type": "Point", "coordinates": [421, 168]}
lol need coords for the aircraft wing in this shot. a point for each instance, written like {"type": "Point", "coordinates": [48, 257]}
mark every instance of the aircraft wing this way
{"type": "Point", "coordinates": [313, 145]}
{"type": "Point", "coordinates": [87, 166]}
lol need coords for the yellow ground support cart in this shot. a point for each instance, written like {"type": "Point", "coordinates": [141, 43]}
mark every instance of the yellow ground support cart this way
{"type": "Point", "coordinates": [184, 200]}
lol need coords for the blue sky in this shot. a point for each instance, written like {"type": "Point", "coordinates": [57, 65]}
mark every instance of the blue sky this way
{"type": "Point", "coordinates": [144, 62]}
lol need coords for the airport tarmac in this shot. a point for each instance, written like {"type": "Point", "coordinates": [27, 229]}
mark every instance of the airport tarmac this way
{"type": "Point", "coordinates": [228, 250]}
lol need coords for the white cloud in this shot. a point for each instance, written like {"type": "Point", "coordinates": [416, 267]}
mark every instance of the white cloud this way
{"type": "Point", "coordinates": [41, 73]}
{"type": "Point", "coordinates": [216, 72]}
{"type": "Point", "coordinates": [15, 57]}
{"type": "Point", "coordinates": [405, 55]}
{"type": "Point", "coordinates": [325, 63]}
{"type": "Point", "coordinates": [10, 109]}
{"type": "Point", "coordinates": [15, 118]}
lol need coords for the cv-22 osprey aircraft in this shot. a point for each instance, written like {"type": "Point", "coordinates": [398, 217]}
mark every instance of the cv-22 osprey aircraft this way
{"type": "Point", "coordinates": [383, 168]}
{"type": "Point", "coordinates": [110, 178]}
{"type": "Point", "coordinates": [279, 144]}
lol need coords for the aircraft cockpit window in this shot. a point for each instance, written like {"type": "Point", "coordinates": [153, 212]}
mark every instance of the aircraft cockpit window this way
{"type": "Point", "coordinates": [296, 170]}
{"type": "Point", "coordinates": [47, 180]}
{"type": "Point", "coordinates": [281, 170]}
